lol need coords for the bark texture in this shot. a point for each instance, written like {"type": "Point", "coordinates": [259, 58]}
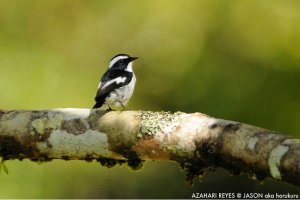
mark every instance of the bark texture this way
{"type": "Point", "coordinates": [196, 141]}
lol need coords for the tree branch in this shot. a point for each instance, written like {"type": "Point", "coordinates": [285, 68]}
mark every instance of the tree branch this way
{"type": "Point", "coordinates": [196, 141]}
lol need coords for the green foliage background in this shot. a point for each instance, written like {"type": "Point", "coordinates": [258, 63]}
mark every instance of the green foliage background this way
{"type": "Point", "coordinates": [238, 60]}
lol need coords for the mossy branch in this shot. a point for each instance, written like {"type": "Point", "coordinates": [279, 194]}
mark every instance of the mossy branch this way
{"type": "Point", "coordinates": [196, 141]}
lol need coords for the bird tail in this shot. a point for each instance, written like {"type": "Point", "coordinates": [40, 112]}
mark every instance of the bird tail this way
{"type": "Point", "coordinates": [98, 104]}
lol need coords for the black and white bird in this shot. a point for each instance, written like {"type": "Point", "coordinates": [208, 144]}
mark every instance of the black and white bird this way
{"type": "Point", "coordinates": [117, 83]}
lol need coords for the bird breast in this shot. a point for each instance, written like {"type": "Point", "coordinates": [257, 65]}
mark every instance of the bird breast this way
{"type": "Point", "coordinates": [122, 94]}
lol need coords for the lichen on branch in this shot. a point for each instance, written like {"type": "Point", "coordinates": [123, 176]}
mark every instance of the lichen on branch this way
{"type": "Point", "coordinates": [196, 141]}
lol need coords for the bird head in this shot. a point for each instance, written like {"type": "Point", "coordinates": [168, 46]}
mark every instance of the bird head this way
{"type": "Point", "coordinates": [122, 62]}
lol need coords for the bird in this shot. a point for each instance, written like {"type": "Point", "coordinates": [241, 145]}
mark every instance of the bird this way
{"type": "Point", "coordinates": [117, 83]}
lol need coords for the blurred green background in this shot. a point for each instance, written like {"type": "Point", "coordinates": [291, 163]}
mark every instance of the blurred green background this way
{"type": "Point", "coordinates": [238, 60]}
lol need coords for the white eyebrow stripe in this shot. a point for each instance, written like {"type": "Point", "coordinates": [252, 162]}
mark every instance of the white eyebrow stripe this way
{"type": "Point", "coordinates": [117, 80]}
{"type": "Point", "coordinates": [116, 59]}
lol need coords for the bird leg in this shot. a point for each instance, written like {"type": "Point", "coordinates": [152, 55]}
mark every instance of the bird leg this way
{"type": "Point", "coordinates": [122, 105]}
{"type": "Point", "coordinates": [109, 108]}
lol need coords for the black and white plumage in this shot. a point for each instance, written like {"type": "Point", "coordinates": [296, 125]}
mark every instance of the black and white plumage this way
{"type": "Point", "coordinates": [117, 83]}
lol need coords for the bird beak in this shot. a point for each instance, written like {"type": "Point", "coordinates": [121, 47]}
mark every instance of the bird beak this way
{"type": "Point", "coordinates": [132, 58]}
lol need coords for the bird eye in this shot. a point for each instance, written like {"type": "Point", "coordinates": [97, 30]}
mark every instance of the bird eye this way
{"type": "Point", "coordinates": [122, 61]}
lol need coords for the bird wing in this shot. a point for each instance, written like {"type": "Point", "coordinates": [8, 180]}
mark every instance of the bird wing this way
{"type": "Point", "coordinates": [111, 80]}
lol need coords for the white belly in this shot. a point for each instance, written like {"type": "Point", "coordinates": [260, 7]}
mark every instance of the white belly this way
{"type": "Point", "coordinates": [121, 95]}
